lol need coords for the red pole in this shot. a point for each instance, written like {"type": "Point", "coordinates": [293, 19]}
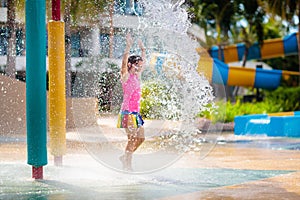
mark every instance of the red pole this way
{"type": "Point", "coordinates": [37, 172]}
{"type": "Point", "coordinates": [56, 10]}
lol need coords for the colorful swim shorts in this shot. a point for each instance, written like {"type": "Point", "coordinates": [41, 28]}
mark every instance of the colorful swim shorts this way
{"type": "Point", "coordinates": [128, 119]}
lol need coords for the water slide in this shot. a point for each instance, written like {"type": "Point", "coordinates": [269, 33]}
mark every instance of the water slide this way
{"type": "Point", "coordinates": [284, 124]}
{"type": "Point", "coordinates": [219, 72]}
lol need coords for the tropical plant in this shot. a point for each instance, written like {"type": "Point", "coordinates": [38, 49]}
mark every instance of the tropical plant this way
{"type": "Point", "coordinates": [252, 13]}
{"type": "Point", "coordinates": [158, 101]}
{"type": "Point", "coordinates": [231, 110]}
{"type": "Point", "coordinates": [74, 11]}
{"type": "Point", "coordinates": [282, 99]}
{"type": "Point", "coordinates": [109, 87]}
{"type": "Point", "coordinates": [67, 20]}
{"type": "Point", "coordinates": [287, 98]}
{"type": "Point", "coordinates": [214, 17]}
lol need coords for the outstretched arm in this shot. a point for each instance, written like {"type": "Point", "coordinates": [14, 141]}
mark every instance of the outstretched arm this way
{"type": "Point", "coordinates": [143, 49]}
{"type": "Point", "coordinates": [129, 42]}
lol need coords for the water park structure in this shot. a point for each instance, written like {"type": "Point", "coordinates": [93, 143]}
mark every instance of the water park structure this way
{"type": "Point", "coordinates": [36, 115]}
{"type": "Point", "coordinates": [275, 124]}
{"type": "Point", "coordinates": [285, 124]}
{"type": "Point", "coordinates": [217, 71]}
{"type": "Point", "coordinates": [266, 168]}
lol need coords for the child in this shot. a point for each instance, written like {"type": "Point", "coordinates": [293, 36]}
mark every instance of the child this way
{"type": "Point", "coordinates": [129, 117]}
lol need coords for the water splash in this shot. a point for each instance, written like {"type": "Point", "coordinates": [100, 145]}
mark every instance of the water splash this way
{"type": "Point", "coordinates": [163, 14]}
{"type": "Point", "coordinates": [180, 93]}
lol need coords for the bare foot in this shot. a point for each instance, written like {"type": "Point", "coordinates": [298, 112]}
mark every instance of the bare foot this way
{"type": "Point", "coordinates": [126, 163]}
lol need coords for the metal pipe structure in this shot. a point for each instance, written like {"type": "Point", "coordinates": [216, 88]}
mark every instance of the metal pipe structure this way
{"type": "Point", "coordinates": [56, 10]}
{"type": "Point", "coordinates": [36, 117]}
{"type": "Point", "coordinates": [57, 85]}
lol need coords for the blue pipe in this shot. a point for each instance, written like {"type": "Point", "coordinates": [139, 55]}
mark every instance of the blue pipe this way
{"type": "Point", "coordinates": [36, 117]}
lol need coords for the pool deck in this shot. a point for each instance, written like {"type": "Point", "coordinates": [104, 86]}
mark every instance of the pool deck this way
{"type": "Point", "coordinates": [284, 186]}
{"type": "Point", "coordinates": [237, 168]}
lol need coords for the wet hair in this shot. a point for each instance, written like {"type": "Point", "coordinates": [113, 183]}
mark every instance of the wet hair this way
{"type": "Point", "coordinates": [134, 58]}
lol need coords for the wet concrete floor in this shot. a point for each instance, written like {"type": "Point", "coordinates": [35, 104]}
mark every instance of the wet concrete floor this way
{"type": "Point", "coordinates": [236, 168]}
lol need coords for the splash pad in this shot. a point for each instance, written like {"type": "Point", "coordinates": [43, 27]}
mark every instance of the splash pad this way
{"type": "Point", "coordinates": [170, 126]}
{"type": "Point", "coordinates": [173, 94]}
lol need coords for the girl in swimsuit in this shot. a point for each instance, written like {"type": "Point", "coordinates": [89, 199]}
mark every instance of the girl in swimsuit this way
{"type": "Point", "coordinates": [129, 117]}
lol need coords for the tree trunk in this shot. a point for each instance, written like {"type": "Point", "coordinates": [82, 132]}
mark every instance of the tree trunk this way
{"type": "Point", "coordinates": [67, 19]}
{"type": "Point", "coordinates": [111, 30]}
{"type": "Point", "coordinates": [11, 50]}
{"type": "Point", "coordinates": [245, 56]}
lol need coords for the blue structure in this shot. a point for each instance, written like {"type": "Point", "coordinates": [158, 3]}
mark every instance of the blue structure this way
{"type": "Point", "coordinates": [36, 96]}
{"type": "Point", "coordinates": [220, 73]}
{"type": "Point", "coordinates": [271, 48]}
{"type": "Point", "coordinates": [270, 125]}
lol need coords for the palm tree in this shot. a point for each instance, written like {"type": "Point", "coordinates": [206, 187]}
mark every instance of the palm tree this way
{"type": "Point", "coordinates": [14, 8]}
{"type": "Point", "coordinates": [253, 14]}
{"type": "Point", "coordinates": [111, 29]}
{"type": "Point", "coordinates": [11, 47]}
{"type": "Point", "coordinates": [286, 9]}
{"type": "Point", "coordinates": [216, 14]}
{"type": "Point", "coordinates": [74, 12]}
{"type": "Point", "coordinates": [67, 20]}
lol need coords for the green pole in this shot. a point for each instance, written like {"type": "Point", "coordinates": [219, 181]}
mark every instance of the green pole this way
{"type": "Point", "coordinates": [36, 117]}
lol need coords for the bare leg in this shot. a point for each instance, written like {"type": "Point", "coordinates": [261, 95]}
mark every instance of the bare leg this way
{"type": "Point", "coordinates": [140, 138]}
{"type": "Point", "coordinates": [131, 139]}
{"type": "Point", "coordinates": [126, 161]}
{"type": "Point", "coordinates": [135, 139]}
{"type": "Point", "coordinates": [127, 157]}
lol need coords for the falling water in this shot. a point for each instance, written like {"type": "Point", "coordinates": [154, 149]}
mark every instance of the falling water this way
{"type": "Point", "coordinates": [178, 93]}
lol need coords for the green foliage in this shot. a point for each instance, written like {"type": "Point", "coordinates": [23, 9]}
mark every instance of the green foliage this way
{"type": "Point", "coordinates": [150, 102]}
{"type": "Point", "coordinates": [108, 82]}
{"type": "Point", "coordinates": [159, 102]}
{"type": "Point", "coordinates": [240, 108]}
{"type": "Point", "coordinates": [280, 100]}
{"type": "Point", "coordinates": [229, 110]}
{"type": "Point", "coordinates": [289, 63]}
{"type": "Point", "coordinates": [215, 113]}
{"type": "Point", "coordinates": [87, 11]}
{"type": "Point", "coordinates": [287, 98]}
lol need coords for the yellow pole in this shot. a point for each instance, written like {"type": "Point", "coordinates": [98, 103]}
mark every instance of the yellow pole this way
{"type": "Point", "coordinates": [57, 98]}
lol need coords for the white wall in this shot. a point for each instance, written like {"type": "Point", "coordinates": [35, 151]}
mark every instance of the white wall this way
{"type": "Point", "coordinates": [3, 14]}
{"type": "Point", "coordinates": [21, 62]}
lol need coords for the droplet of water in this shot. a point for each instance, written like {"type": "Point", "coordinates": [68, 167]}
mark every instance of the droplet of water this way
{"type": "Point", "coordinates": [173, 94]}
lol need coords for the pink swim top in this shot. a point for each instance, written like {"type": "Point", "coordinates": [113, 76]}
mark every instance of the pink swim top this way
{"type": "Point", "coordinates": [131, 94]}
